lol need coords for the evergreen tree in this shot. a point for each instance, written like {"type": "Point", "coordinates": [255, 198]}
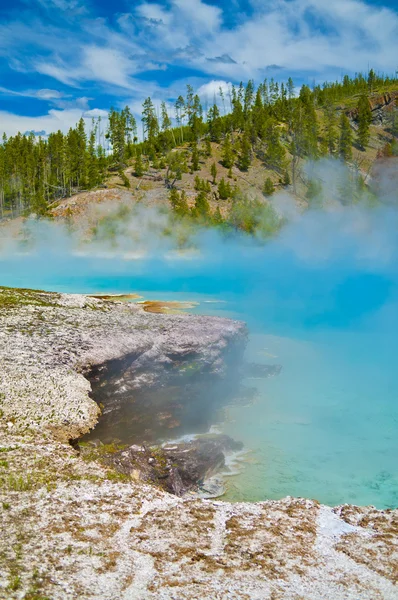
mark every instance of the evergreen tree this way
{"type": "Point", "coordinates": [122, 126]}
{"type": "Point", "coordinates": [217, 217]}
{"type": "Point", "coordinates": [314, 192]}
{"type": "Point", "coordinates": [345, 143]}
{"type": "Point", "coordinates": [227, 153]}
{"type": "Point", "coordinates": [202, 206]}
{"type": "Point", "coordinates": [269, 187]}
{"type": "Point", "coordinates": [138, 165]}
{"type": "Point", "coordinates": [290, 88]}
{"type": "Point", "coordinates": [224, 189]}
{"type": "Point", "coordinates": [275, 153]}
{"type": "Point", "coordinates": [214, 123]}
{"type": "Point", "coordinates": [93, 165]}
{"type": "Point", "coordinates": [166, 121]}
{"type": "Point", "coordinates": [245, 154]}
{"type": "Point", "coordinates": [331, 130]}
{"type": "Point", "coordinates": [179, 111]}
{"type": "Point", "coordinates": [149, 120]}
{"type": "Point", "coordinates": [176, 165]}
{"type": "Point", "coordinates": [179, 202]}
{"type": "Point", "coordinates": [364, 121]}
{"type": "Point", "coordinates": [371, 80]}
{"type": "Point", "coordinates": [286, 179]}
{"type": "Point", "coordinates": [213, 172]}
{"type": "Point", "coordinates": [195, 158]}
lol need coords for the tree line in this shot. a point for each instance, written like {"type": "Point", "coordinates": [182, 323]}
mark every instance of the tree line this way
{"type": "Point", "coordinates": [270, 122]}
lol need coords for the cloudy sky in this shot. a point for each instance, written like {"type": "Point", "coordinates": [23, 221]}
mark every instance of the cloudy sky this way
{"type": "Point", "coordinates": [64, 58]}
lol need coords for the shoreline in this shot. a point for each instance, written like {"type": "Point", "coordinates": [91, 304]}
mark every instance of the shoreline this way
{"type": "Point", "coordinates": [76, 528]}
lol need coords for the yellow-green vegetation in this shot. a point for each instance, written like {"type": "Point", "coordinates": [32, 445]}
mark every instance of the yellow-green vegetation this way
{"type": "Point", "coordinates": [13, 297]}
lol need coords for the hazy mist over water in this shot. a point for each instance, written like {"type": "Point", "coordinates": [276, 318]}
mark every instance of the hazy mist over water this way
{"type": "Point", "coordinates": [321, 300]}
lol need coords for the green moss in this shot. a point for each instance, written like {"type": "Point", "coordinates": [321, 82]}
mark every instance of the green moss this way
{"type": "Point", "coordinates": [116, 476]}
{"type": "Point", "coordinates": [14, 297]}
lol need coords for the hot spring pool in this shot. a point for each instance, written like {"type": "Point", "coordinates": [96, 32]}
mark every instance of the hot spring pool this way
{"type": "Point", "coordinates": [327, 426]}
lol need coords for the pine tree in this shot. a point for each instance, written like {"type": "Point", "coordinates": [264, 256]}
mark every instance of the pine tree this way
{"type": "Point", "coordinates": [364, 121]}
{"type": "Point", "coordinates": [149, 120]}
{"type": "Point", "coordinates": [197, 183]}
{"type": "Point", "coordinates": [176, 165]}
{"type": "Point", "coordinates": [227, 153]}
{"type": "Point", "coordinates": [166, 121]}
{"type": "Point", "coordinates": [290, 88]}
{"type": "Point", "coordinates": [331, 135]}
{"type": "Point", "coordinates": [345, 144]}
{"type": "Point", "coordinates": [93, 171]}
{"type": "Point", "coordinates": [371, 80]}
{"type": "Point", "coordinates": [179, 111]}
{"type": "Point", "coordinates": [214, 123]}
{"type": "Point", "coordinates": [275, 153]}
{"type": "Point", "coordinates": [195, 158]}
{"type": "Point", "coordinates": [213, 172]}
{"type": "Point", "coordinates": [217, 217]}
{"type": "Point", "coordinates": [224, 189]}
{"type": "Point", "coordinates": [202, 206]}
{"type": "Point", "coordinates": [286, 179]}
{"type": "Point", "coordinates": [269, 187]}
{"type": "Point", "coordinates": [179, 202]}
{"type": "Point", "coordinates": [245, 158]}
{"type": "Point", "coordinates": [138, 165]}
{"type": "Point", "coordinates": [314, 192]}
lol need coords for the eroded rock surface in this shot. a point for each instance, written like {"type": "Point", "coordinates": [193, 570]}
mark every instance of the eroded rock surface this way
{"type": "Point", "coordinates": [177, 468]}
{"type": "Point", "coordinates": [72, 527]}
{"type": "Point", "coordinates": [48, 342]}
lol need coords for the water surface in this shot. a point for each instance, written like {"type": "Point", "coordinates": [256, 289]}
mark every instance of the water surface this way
{"type": "Point", "coordinates": [327, 426]}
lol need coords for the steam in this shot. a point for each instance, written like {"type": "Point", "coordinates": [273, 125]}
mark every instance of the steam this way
{"type": "Point", "coordinates": [349, 234]}
{"type": "Point", "coordinates": [321, 298]}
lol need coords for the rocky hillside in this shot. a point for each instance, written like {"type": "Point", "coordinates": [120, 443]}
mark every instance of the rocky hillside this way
{"type": "Point", "coordinates": [151, 188]}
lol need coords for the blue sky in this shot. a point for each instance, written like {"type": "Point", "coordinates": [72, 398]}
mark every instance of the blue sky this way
{"type": "Point", "coordinates": [61, 59]}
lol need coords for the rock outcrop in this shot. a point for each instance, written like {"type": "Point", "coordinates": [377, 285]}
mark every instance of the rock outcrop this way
{"type": "Point", "coordinates": [73, 527]}
{"type": "Point", "coordinates": [381, 105]}
{"type": "Point", "coordinates": [51, 345]}
{"type": "Point", "coordinates": [177, 468]}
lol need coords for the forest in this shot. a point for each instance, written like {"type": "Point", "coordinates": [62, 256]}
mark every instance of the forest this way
{"type": "Point", "coordinates": [271, 122]}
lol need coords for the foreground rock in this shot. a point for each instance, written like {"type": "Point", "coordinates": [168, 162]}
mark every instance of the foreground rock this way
{"type": "Point", "coordinates": [72, 527]}
{"type": "Point", "coordinates": [176, 468]}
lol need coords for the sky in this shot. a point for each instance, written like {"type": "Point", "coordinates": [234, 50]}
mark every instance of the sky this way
{"type": "Point", "coordinates": [63, 59]}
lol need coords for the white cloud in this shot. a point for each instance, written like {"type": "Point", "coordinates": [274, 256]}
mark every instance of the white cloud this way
{"type": "Point", "coordinates": [43, 94]}
{"type": "Point", "coordinates": [60, 72]}
{"type": "Point", "coordinates": [198, 15]}
{"type": "Point", "coordinates": [107, 64]}
{"type": "Point", "coordinates": [154, 12]}
{"type": "Point", "coordinates": [53, 121]}
{"type": "Point", "coordinates": [301, 36]}
{"type": "Point", "coordinates": [211, 90]}
{"type": "Point", "coordinates": [94, 113]}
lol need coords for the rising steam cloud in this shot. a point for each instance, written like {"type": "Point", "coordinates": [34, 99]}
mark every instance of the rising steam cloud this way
{"type": "Point", "coordinates": [296, 274]}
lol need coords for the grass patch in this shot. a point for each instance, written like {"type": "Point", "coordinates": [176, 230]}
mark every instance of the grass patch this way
{"type": "Point", "coordinates": [13, 297]}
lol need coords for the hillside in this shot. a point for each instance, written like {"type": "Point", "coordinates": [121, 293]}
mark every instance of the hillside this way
{"type": "Point", "coordinates": [218, 170]}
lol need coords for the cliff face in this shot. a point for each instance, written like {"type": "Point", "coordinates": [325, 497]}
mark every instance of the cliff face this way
{"type": "Point", "coordinates": [381, 105]}
{"type": "Point", "coordinates": [75, 528]}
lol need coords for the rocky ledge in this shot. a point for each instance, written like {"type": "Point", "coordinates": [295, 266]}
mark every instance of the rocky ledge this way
{"type": "Point", "coordinates": [74, 527]}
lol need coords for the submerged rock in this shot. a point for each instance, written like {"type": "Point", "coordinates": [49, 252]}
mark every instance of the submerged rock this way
{"type": "Point", "coordinates": [177, 468]}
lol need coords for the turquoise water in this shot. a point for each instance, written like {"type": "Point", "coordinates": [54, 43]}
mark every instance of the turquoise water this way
{"type": "Point", "coordinates": [327, 426]}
